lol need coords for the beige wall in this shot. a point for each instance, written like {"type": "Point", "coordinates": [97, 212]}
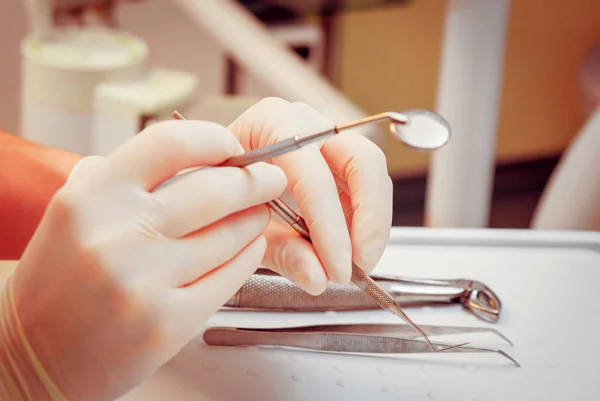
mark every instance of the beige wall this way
{"type": "Point", "coordinates": [398, 49]}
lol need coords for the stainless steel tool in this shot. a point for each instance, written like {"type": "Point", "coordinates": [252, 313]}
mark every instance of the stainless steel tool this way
{"type": "Point", "coordinates": [418, 129]}
{"type": "Point", "coordinates": [267, 290]}
{"type": "Point", "coordinates": [392, 329]}
{"type": "Point", "coordinates": [362, 339]}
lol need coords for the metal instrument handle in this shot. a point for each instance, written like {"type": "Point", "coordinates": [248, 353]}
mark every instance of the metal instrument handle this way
{"type": "Point", "coordinates": [390, 330]}
{"type": "Point", "coordinates": [330, 342]}
{"type": "Point", "coordinates": [274, 292]}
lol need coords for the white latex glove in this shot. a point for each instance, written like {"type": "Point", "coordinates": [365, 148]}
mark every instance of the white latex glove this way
{"type": "Point", "coordinates": [117, 278]}
{"type": "Point", "coordinates": [342, 189]}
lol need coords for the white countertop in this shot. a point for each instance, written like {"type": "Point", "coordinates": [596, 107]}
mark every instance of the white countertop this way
{"type": "Point", "coordinates": [547, 282]}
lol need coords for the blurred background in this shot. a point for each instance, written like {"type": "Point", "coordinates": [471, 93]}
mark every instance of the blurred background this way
{"type": "Point", "coordinates": [382, 56]}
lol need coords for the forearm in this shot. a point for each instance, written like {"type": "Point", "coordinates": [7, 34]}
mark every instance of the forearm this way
{"type": "Point", "coordinates": [30, 174]}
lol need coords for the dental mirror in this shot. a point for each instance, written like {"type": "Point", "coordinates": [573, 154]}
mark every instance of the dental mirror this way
{"type": "Point", "coordinates": [420, 129]}
{"type": "Point", "coordinates": [416, 128]}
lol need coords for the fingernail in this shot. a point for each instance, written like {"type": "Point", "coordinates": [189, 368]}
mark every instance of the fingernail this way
{"type": "Point", "coordinates": [343, 278]}
{"type": "Point", "coordinates": [369, 254]}
{"type": "Point", "coordinates": [315, 288]}
{"type": "Point", "coordinates": [314, 281]}
{"type": "Point", "coordinates": [343, 271]}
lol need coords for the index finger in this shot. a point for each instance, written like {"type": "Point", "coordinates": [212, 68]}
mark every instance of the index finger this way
{"type": "Point", "coordinates": [165, 148]}
{"type": "Point", "coordinates": [309, 179]}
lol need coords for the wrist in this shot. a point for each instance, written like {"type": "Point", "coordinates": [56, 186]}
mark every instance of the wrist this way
{"type": "Point", "coordinates": [22, 378]}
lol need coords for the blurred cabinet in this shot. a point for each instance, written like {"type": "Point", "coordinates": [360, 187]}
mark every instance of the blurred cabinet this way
{"type": "Point", "coordinates": [307, 27]}
{"type": "Point", "coordinates": [388, 60]}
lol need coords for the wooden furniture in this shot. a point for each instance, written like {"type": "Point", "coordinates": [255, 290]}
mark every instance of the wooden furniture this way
{"type": "Point", "coordinates": [282, 13]}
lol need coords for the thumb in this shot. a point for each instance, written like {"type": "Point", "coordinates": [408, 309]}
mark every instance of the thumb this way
{"type": "Point", "coordinates": [84, 165]}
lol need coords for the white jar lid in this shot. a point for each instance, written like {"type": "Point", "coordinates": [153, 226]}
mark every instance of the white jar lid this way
{"type": "Point", "coordinates": [86, 48]}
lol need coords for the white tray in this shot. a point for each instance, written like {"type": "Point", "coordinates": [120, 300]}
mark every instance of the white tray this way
{"type": "Point", "coordinates": [548, 283]}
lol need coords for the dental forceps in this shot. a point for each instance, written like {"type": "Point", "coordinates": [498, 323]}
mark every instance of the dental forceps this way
{"type": "Point", "coordinates": [417, 129]}
{"type": "Point", "coordinates": [344, 339]}
{"type": "Point", "coordinates": [266, 290]}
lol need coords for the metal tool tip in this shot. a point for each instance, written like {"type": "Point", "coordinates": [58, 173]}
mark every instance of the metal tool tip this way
{"type": "Point", "coordinates": [451, 347]}
{"type": "Point", "coordinates": [397, 118]}
{"type": "Point", "coordinates": [509, 357]}
{"type": "Point", "coordinates": [505, 338]}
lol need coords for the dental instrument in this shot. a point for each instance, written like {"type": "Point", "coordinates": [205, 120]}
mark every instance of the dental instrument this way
{"type": "Point", "coordinates": [266, 290]}
{"type": "Point", "coordinates": [395, 329]}
{"type": "Point", "coordinates": [417, 129]}
{"type": "Point", "coordinates": [348, 338]}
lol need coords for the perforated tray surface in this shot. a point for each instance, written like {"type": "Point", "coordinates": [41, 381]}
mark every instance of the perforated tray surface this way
{"type": "Point", "coordinates": [549, 284]}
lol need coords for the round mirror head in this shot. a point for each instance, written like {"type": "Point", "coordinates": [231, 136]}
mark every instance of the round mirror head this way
{"type": "Point", "coordinates": [424, 130]}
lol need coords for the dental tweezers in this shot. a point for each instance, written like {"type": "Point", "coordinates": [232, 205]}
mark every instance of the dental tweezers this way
{"type": "Point", "coordinates": [406, 127]}
{"type": "Point", "coordinates": [345, 338]}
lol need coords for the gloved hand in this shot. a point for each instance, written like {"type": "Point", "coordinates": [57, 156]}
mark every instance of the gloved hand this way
{"type": "Point", "coordinates": [118, 278]}
{"type": "Point", "coordinates": [342, 190]}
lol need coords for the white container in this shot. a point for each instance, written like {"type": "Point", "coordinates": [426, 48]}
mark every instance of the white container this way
{"type": "Point", "coordinates": [60, 76]}
{"type": "Point", "coordinates": [122, 109]}
{"type": "Point", "coordinates": [88, 89]}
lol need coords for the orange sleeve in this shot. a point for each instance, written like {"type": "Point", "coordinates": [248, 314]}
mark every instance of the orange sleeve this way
{"type": "Point", "coordinates": [30, 174]}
